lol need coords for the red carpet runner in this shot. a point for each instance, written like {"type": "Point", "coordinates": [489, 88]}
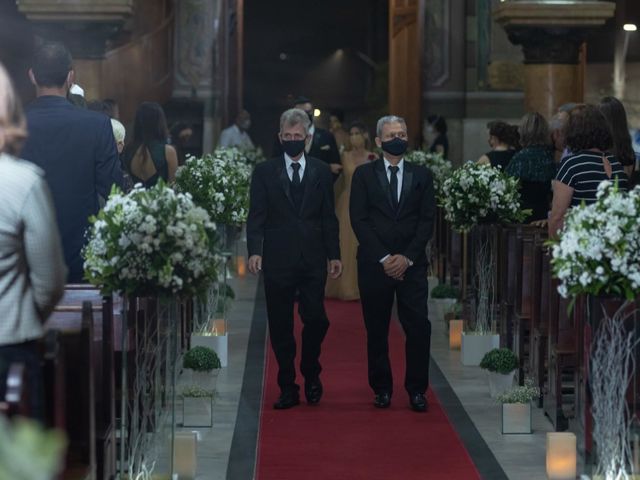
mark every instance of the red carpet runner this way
{"type": "Point", "coordinates": [345, 437]}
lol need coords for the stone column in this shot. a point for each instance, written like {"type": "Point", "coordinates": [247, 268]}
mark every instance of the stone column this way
{"type": "Point", "coordinates": [551, 34]}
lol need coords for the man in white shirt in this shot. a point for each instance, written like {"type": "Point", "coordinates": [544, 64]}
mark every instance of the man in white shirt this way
{"type": "Point", "coordinates": [236, 135]}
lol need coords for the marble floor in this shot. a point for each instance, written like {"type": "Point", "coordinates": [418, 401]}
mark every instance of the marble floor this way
{"type": "Point", "coordinates": [519, 456]}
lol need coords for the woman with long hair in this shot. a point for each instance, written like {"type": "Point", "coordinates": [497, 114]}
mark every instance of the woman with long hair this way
{"type": "Point", "coordinates": [616, 116]}
{"type": "Point", "coordinates": [148, 157]}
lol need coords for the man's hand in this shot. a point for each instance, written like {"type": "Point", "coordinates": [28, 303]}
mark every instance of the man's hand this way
{"type": "Point", "coordinates": [336, 168]}
{"type": "Point", "coordinates": [255, 264]}
{"type": "Point", "coordinates": [334, 268]}
{"type": "Point", "coordinates": [395, 266]}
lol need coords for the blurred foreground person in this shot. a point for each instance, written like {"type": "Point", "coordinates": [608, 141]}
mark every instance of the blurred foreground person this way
{"type": "Point", "coordinates": [32, 270]}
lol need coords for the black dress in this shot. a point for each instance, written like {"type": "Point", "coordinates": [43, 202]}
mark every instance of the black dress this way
{"type": "Point", "coordinates": [500, 158]}
{"type": "Point", "coordinates": [441, 139]}
{"type": "Point", "coordinates": [159, 159]}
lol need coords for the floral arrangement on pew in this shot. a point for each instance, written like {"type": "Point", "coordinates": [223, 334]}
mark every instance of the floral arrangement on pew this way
{"type": "Point", "coordinates": [476, 193]}
{"type": "Point", "coordinates": [151, 242]}
{"type": "Point", "coordinates": [598, 254]}
{"type": "Point", "coordinates": [219, 183]}
{"type": "Point", "coordinates": [480, 194]}
{"type": "Point", "coordinates": [439, 166]}
{"type": "Point", "coordinates": [252, 155]}
{"type": "Point", "coordinates": [598, 250]}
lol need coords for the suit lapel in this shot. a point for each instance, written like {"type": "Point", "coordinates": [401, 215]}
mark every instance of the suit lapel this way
{"type": "Point", "coordinates": [407, 183]}
{"type": "Point", "coordinates": [384, 182]}
{"type": "Point", "coordinates": [284, 180]}
{"type": "Point", "coordinates": [309, 179]}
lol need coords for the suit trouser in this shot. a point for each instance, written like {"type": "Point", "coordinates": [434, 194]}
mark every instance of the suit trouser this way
{"type": "Point", "coordinates": [377, 291]}
{"type": "Point", "coordinates": [280, 287]}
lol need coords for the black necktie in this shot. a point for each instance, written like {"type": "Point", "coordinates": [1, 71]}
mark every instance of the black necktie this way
{"type": "Point", "coordinates": [393, 185]}
{"type": "Point", "coordinates": [296, 187]}
{"type": "Point", "coordinates": [295, 179]}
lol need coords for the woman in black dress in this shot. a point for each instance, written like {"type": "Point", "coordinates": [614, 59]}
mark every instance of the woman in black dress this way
{"type": "Point", "coordinates": [438, 127]}
{"type": "Point", "coordinates": [503, 140]}
{"type": "Point", "coordinates": [148, 157]}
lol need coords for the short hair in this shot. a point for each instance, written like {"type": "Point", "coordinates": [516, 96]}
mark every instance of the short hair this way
{"type": "Point", "coordinates": [558, 122]}
{"type": "Point", "coordinates": [587, 128]}
{"type": "Point", "coordinates": [51, 65]}
{"type": "Point", "coordinates": [295, 116]}
{"type": "Point", "coordinates": [119, 132]}
{"type": "Point", "coordinates": [77, 100]}
{"type": "Point", "coordinates": [12, 122]}
{"type": "Point", "coordinates": [389, 119]}
{"type": "Point", "coordinates": [567, 107]}
{"type": "Point", "coordinates": [438, 122]}
{"type": "Point", "coordinates": [300, 99]}
{"type": "Point", "coordinates": [505, 133]}
{"type": "Point", "coordinates": [109, 106]}
{"type": "Point", "coordinates": [534, 130]}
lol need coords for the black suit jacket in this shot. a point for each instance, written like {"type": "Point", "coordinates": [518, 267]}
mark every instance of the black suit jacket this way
{"type": "Point", "coordinates": [379, 228]}
{"type": "Point", "coordinates": [323, 147]}
{"type": "Point", "coordinates": [76, 149]}
{"type": "Point", "coordinates": [278, 232]}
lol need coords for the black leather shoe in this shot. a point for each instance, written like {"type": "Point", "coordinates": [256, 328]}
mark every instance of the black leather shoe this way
{"type": "Point", "coordinates": [286, 400]}
{"type": "Point", "coordinates": [418, 402]}
{"type": "Point", "coordinates": [313, 391]}
{"type": "Point", "coordinates": [382, 400]}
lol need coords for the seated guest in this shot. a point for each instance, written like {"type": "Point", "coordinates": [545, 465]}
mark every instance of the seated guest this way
{"type": "Point", "coordinates": [181, 134]}
{"type": "Point", "coordinates": [437, 127]}
{"type": "Point", "coordinates": [589, 139]}
{"type": "Point", "coordinates": [236, 135]}
{"type": "Point", "coordinates": [557, 126]}
{"type": "Point", "coordinates": [119, 134]}
{"type": "Point", "coordinates": [75, 148]}
{"type": "Point", "coordinates": [534, 166]}
{"type": "Point", "coordinates": [503, 140]}
{"type": "Point", "coordinates": [148, 157]}
{"type": "Point", "coordinates": [32, 270]}
{"type": "Point", "coordinates": [614, 112]}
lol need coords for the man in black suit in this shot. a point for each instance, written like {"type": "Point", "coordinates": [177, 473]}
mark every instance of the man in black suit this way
{"type": "Point", "coordinates": [392, 208]}
{"type": "Point", "coordinates": [75, 147]}
{"type": "Point", "coordinates": [292, 236]}
{"type": "Point", "coordinates": [323, 144]}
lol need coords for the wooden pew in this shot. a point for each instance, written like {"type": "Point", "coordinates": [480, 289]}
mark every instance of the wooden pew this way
{"type": "Point", "coordinates": [16, 397]}
{"type": "Point", "coordinates": [540, 276]}
{"type": "Point", "coordinates": [103, 345]}
{"type": "Point", "coordinates": [507, 268]}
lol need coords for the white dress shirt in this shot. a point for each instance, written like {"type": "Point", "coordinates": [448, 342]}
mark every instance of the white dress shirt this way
{"type": "Point", "coordinates": [288, 162]}
{"type": "Point", "coordinates": [400, 166]}
{"type": "Point", "coordinates": [307, 147]}
{"type": "Point", "coordinates": [234, 137]}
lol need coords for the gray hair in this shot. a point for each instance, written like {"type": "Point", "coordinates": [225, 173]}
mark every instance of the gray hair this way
{"type": "Point", "coordinates": [295, 116]}
{"type": "Point", "coordinates": [558, 121]}
{"type": "Point", "coordinates": [389, 119]}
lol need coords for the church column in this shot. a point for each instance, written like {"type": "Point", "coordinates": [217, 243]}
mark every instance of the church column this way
{"type": "Point", "coordinates": [551, 35]}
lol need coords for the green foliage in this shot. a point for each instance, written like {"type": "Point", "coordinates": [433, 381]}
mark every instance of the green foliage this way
{"type": "Point", "coordinates": [194, 391]}
{"type": "Point", "coordinates": [521, 394]}
{"type": "Point", "coordinates": [201, 359]}
{"type": "Point", "coordinates": [456, 309]}
{"type": "Point", "coordinates": [499, 360]}
{"type": "Point", "coordinates": [445, 291]}
{"type": "Point", "coordinates": [28, 452]}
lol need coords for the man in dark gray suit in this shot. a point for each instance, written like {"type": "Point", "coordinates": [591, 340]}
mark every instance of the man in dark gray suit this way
{"type": "Point", "coordinates": [75, 147]}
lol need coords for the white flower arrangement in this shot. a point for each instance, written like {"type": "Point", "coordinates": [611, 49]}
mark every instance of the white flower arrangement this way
{"type": "Point", "coordinates": [151, 242]}
{"type": "Point", "coordinates": [252, 155]}
{"type": "Point", "coordinates": [475, 193]}
{"type": "Point", "coordinates": [598, 249]}
{"type": "Point", "coordinates": [440, 167]}
{"type": "Point", "coordinates": [219, 183]}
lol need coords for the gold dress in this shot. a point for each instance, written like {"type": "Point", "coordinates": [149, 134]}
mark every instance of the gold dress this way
{"type": "Point", "coordinates": [346, 286]}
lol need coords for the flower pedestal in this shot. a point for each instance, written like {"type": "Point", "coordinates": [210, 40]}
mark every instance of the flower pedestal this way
{"type": "Point", "coordinates": [500, 383]}
{"type": "Point", "coordinates": [197, 411]}
{"type": "Point", "coordinates": [475, 346]}
{"type": "Point", "coordinates": [516, 418]}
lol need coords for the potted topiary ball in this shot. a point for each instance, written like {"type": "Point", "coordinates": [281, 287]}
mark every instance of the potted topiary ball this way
{"type": "Point", "coordinates": [442, 298]}
{"type": "Point", "coordinates": [516, 407]}
{"type": "Point", "coordinates": [501, 365]}
{"type": "Point", "coordinates": [204, 365]}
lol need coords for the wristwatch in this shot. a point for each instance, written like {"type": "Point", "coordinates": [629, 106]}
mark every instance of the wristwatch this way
{"type": "Point", "coordinates": [409, 262]}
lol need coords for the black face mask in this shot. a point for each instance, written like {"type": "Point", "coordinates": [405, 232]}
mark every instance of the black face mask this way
{"type": "Point", "coordinates": [395, 147]}
{"type": "Point", "coordinates": [293, 148]}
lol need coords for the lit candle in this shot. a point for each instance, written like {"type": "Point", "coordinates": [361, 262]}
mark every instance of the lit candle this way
{"type": "Point", "coordinates": [455, 334]}
{"type": "Point", "coordinates": [219, 327]}
{"type": "Point", "coordinates": [242, 266]}
{"type": "Point", "coordinates": [185, 463]}
{"type": "Point", "coordinates": [561, 456]}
